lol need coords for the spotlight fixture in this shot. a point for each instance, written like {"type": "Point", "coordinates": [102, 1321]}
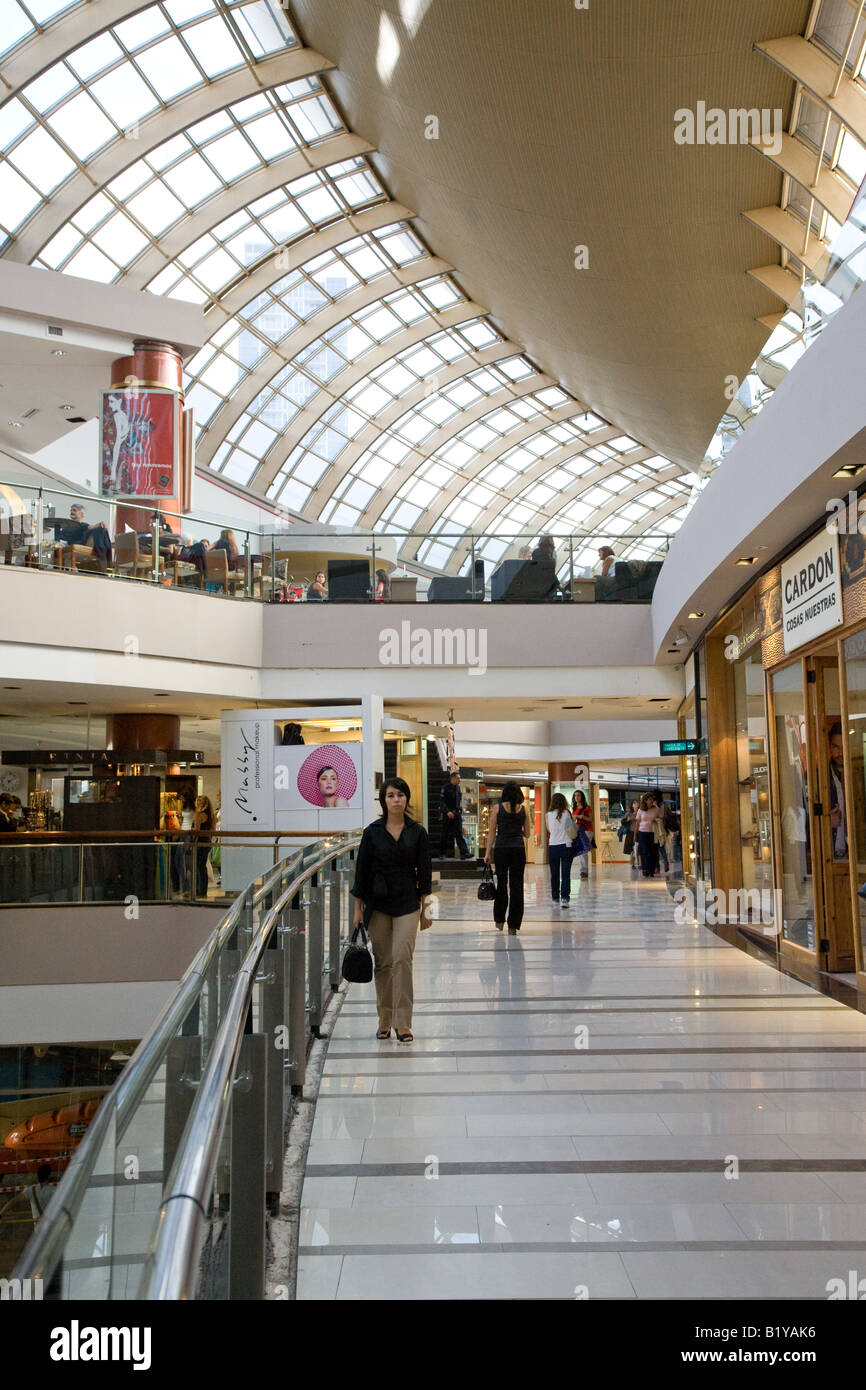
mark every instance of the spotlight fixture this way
{"type": "Point", "coordinates": [58, 352]}
{"type": "Point", "coordinates": [12, 687]}
{"type": "Point", "coordinates": [746, 560]}
{"type": "Point", "coordinates": [67, 408]}
{"type": "Point", "coordinates": [76, 702]}
{"type": "Point", "coordinates": [849, 470]}
{"type": "Point", "coordinates": [14, 424]}
{"type": "Point", "coordinates": [161, 695]}
{"type": "Point", "coordinates": [697, 614]}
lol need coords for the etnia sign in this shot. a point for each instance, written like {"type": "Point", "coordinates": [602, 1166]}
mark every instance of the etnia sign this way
{"type": "Point", "coordinates": [811, 591]}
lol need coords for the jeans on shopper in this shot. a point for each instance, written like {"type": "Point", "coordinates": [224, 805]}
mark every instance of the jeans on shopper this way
{"type": "Point", "coordinates": [559, 858]}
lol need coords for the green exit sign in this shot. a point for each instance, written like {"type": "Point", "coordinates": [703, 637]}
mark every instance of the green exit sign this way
{"type": "Point", "coordinates": [677, 745]}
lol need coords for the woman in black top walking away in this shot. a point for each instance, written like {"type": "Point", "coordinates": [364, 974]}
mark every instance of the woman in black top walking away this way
{"type": "Point", "coordinates": [506, 840]}
{"type": "Point", "coordinates": [393, 877]}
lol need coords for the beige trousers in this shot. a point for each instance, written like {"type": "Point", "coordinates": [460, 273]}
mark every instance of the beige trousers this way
{"type": "Point", "coordinates": [393, 942]}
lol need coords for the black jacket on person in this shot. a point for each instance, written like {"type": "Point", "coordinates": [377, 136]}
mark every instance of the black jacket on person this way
{"type": "Point", "coordinates": [392, 876]}
{"type": "Point", "coordinates": [450, 799]}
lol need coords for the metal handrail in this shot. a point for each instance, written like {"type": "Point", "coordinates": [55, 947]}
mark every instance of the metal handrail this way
{"type": "Point", "coordinates": [172, 1261]}
{"type": "Point", "coordinates": [46, 1246]}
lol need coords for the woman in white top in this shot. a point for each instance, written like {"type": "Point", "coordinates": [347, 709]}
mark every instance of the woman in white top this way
{"type": "Point", "coordinates": [561, 829]}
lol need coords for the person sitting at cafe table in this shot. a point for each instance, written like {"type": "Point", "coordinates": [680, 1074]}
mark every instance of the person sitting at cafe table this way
{"type": "Point", "coordinates": [317, 592]}
{"type": "Point", "coordinates": [77, 531]}
{"type": "Point", "coordinates": [228, 543]}
{"type": "Point", "coordinates": [168, 540]}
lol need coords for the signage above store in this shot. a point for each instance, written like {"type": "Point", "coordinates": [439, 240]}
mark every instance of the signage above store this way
{"type": "Point", "coordinates": [811, 591]}
{"type": "Point", "coordinates": [668, 746]}
{"type": "Point", "coordinates": [102, 757]}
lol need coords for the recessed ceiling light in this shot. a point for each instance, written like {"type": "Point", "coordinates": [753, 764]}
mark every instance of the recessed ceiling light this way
{"type": "Point", "coordinates": [746, 560]}
{"type": "Point", "coordinates": [14, 424]}
{"type": "Point", "coordinates": [697, 614]}
{"type": "Point", "coordinates": [67, 407]}
{"type": "Point", "coordinates": [673, 651]}
{"type": "Point", "coordinates": [76, 702]}
{"type": "Point", "coordinates": [12, 687]}
{"type": "Point", "coordinates": [161, 695]}
{"type": "Point", "coordinates": [58, 352]}
{"type": "Point", "coordinates": [849, 470]}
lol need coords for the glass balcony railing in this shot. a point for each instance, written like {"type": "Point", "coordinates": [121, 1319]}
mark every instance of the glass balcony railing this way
{"type": "Point", "coordinates": [45, 528]}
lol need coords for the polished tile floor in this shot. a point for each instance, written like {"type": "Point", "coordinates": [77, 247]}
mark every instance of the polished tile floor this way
{"type": "Point", "coordinates": [610, 1105]}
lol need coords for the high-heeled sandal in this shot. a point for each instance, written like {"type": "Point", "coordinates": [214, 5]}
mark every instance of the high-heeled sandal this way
{"type": "Point", "coordinates": [383, 1033]}
{"type": "Point", "coordinates": [404, 1037]}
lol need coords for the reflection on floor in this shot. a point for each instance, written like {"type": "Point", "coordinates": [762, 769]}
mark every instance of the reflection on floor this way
{"type": "Point", "coordinates": [610, 1105]}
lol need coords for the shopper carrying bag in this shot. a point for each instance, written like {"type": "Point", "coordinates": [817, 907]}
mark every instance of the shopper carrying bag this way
{"type": "Point", "coordinates": [393, 882]}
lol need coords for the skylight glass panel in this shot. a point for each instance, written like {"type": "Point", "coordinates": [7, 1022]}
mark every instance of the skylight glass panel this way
{"type": "Point", "coordinates": [182, 11]}
{"type": "Point", "coordinates": [16, 26]}
{"type": "Point", "coordinates": [14, 120]}
{"type": "Point", "coordinates": [17, 197]}
{"type": "Point", "coordinates": [148, 24]}
{"type": "Point", "coordinates": [315, 119]}
{"type": "Point", "coordinates": [124, 95]}
{"type": "Point", "coordinates": [214, 47]}
{"type": "Point", "coordinates": [82, 126]}
{"type": "Point", "coordinates": [169, 69]}
{"type": "Point", "coordinates": [42, 160]}
{"type": "Point", "coordinates": [95, 56]}
{"type": "Point", "coordinates": [120, 239]}
{"type": "Point", "coordinates": [263, 27]}
{"type": "Point", "coordinates": [90, 264]}
{"type": "Point", "coordinates": [852, 159]}
{"type": "Point", "coordinates": [156, 208]}
{"type": "Point", "coordinates": [50, 88]}
{"type": "Point", "coordinates": [192, 179]}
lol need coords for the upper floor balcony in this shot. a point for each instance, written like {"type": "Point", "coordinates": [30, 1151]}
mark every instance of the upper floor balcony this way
{"type": "Point", "coordinates": [58, 529]}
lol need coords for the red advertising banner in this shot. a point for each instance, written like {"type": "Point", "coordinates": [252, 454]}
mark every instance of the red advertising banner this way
{"type": "Point", "coordinates": [138, 444]}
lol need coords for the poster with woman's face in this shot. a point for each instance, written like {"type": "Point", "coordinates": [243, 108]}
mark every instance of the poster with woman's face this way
{"type": "Point", "coordinates": [325, 777]}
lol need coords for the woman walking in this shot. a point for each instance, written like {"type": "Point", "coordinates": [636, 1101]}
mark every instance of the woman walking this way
{"type": "Point", "coordinates": [582, 815]}
{"type": "Point", "coordinates": [648, 814]}
{"type": "Point", "coordinates": [559, 848]}
{"type": "Point", "coordinates": [393, 880]}
{"type": "Point", "coordinates": [202, 824]}
{"type": "Point", "coordinates": [506, 842]}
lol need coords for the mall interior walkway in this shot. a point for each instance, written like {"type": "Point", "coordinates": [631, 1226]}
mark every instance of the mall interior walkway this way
{"type": "Point", "coordinates": [706, 1142]}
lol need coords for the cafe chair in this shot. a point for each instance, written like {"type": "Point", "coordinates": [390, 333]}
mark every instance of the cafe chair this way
{"type": "Point", "coordinates": [80, 557]}
{"type": "Point", "coordinates": [129, 560]}
{"type": "Point", "coordinates": [186, 575]}
{"type": "Point", "coordinates": [216, 571]}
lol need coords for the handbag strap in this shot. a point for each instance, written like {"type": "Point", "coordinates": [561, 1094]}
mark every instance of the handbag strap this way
{"type": "Point", "coordinates": [362, 929]}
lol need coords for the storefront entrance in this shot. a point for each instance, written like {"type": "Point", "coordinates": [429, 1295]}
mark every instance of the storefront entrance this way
{"type": "Point", "coordinates": [809, 808]}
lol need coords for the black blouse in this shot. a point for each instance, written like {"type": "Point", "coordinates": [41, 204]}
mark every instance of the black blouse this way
{"type": "Point", "coordinates": [392, 876]}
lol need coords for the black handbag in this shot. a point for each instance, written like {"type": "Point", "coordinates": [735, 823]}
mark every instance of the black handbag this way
{"type": "Point", "coordinates": [357, 963]}
{"type": "Point", "coordinates": [487, 886]}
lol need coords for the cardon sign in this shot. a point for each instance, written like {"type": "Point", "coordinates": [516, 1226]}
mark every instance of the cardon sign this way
{"type": "Point", "coordinates": [811, 591]}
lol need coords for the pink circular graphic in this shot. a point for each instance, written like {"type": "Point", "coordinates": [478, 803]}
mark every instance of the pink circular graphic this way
{"type": "Point", "coordinates": [342, 788]}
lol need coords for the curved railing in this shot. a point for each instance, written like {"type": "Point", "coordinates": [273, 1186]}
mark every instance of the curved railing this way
{"type": "Point", "coordinates": [168, 1194]}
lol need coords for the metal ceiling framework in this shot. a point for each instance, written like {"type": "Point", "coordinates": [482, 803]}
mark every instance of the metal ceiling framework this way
{"type": "Point", "coordinates": [824, 161]}
{"type": "Point", "coordinates": [192, 148]}
{"type": "Point", "coordinates": [822, 169]}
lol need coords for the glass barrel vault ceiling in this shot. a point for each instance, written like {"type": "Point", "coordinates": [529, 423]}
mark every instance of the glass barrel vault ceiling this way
{"type": "Point", "coordinates": [192, 149]}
